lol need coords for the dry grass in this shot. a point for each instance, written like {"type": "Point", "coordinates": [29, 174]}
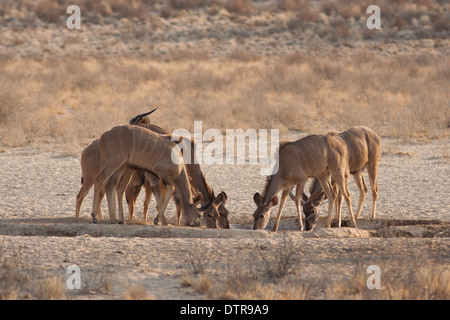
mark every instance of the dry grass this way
{"type": "Point", "coordinates": [401, 279]}
{"type": "Point", "coordinates": [14, 276]}
{"type": "Point", "coordinates": [136, 292]}
{"type": "Point", "coordinates": [50, 288]}
{"type": "Point", "coordinates": [196, 262]}
{"type": "Point", "coordinates": [403, 276]}
{"type": "Point", "coordinates": [71, 102]}
{"type": "Point", "coordinates": [426, 18]}
{"type": "Point", "coordinates": [280, 260]}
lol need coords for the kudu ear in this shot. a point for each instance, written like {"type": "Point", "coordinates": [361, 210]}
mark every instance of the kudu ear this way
{"type": "Point", "coordinates": [322, 197]}
{"type": "Point", "coordinates": [221, 198]}
{"type": "Point", "coordinates": [304, 199]}
{"type": "Point", "coordinates": [173, 138]}
{"type": "Point", "coordinates": [274, 201]}
{"type": "Point", "coordinates": [197, 198]}
{"type": "Point", "coordinates": [142, 122]}
{"type": "Point", "coordinates": [257, 198]}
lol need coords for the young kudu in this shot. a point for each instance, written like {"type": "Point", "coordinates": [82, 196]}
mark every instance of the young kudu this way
{"type": "Point", "coordinates": [321, 156]}
{"type": "Point", "coordinates": [364, 148]}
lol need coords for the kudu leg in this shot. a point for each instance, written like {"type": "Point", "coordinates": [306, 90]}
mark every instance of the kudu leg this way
{"type": "Point", "coordinates": [84, 190]}
{"type": "Point", "coordinates": [110, 190]}
{"type": "Point", "coordinates": [341, 182]}
{"type": "Point", "coordinates": [372, 169]}
{"type": "Point", "coordinates": [298, 195]}
{"type": "Point", "coordinates": [122, 184]}
{"type": "Point", "coordinates": [284, 196]}
{"type": "Point", "coordinates": [325, 183]}
{"type": "Point", "coordinates": [97, 214]}
{"type": "Point", "coordinates": [178, 215]}
{"type": "Point", "coordinates": [148, 197]}
{"type": "Point", "coordinates": [131, 200]}
{"type": "Point", "coordinates": [362, 187]}
{"type": "Point", "coordinates": [160, 196]}
{"type": "Point", "coordinates": [100, 184]}
{"type": "Point", "coordinates": [131, 195]}
{"type": "Point", "coordinates": [163, 207]}
{"type": "Point", "coordinates": [338, 203]}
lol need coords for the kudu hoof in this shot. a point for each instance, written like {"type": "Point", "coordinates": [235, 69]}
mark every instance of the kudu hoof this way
{"type": "Point", "coordinates": [94, 219]}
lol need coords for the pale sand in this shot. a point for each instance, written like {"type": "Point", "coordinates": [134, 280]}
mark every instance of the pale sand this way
{"type": "Point", "coordinates": [37, 223]}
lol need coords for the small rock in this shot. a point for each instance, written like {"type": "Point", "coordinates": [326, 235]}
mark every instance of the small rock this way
{"type": "Point", "coordinates": [402, 231]}
{"type": "Point", "coordinates": [342, 233]}
{"type": "Point", "coordinates": [443, 234]}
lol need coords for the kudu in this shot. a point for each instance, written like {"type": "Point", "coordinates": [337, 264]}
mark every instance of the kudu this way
{"type": "Point", "coordinates": [143, 149]}
{"type": "Point", "coordinates": [215, 215]}
{"type": "Point", "coordinates": [131, 181]}
{"type": "Point", "coordinates": [321, 156]}
{"type": "Point", "coordinates": [364, 147]}
{"type": "Point", "coordinates": [92, 163]}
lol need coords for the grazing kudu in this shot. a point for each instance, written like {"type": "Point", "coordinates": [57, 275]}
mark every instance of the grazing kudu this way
{"type": "Point", "coordinates": [321, 156]}
{"type": "Point", "coordinates": [364, 147]}
{"type": "Point", "coordinates": [215, 215]}
{"type": "Point", "coordinates": [143, 149]}
{"type": "Point", "coordinates": [91, 165]}
{"type": "Point", "coordinates": [131, 180]}
{"type": "Point", "coordinates": [311, 204]}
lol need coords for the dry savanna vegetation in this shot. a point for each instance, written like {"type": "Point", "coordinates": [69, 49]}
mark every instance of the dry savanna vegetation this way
{"type": "Point", "coordinates": [72, 101]}
{"type": "Point", "coordinates": [301, 67]}
{"type": "Point", "coordinates": [232, 64]}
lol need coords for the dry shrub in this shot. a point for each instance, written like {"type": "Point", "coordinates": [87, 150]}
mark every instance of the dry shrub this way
{"type": "Point", "coordinates": [97, 280]}
{"type": "Point", "coordinates": [196, 262]}
{"type": "Point", "coordinates": [327, 69]}
{"type": "Point", "coordinates": [50, 11]}
{"type": "Point", "coordinates": [192, 4]}
{"type": "Point", "coordinates": [295, 58]}
{"type": "Point", "coordinates": [401, 278]}
{"type": "Point", "coordinates": [240, 283]}
{"type": "Point", "coordinates": [244, 55]}
{"type": "Point", "coordinates": [187, 55]}
{"type": "Point", "coordinates": [304, 13]}
{"type": "Point", "coordinates": [246, 283]}
{"type": "Point", "coordinates": [201, 284]}
{"type": "Point", "coordinates": [72, 102]}
{"type": "Point", "coordinates": [50, 288]}
{"type": "Point", "coordinates": [14, 276]}
{"type": "Point", "coordinates": [328, 7]}
{"type": "Point", "coordinates": [280, 260]}
{"type": "Point", "coordinates": [135, 293]}
{"type": "Point", "coordinates": [127, 9]}
{"type": "Point", "coordinates": [241, 7]}
{"type": "Point", "coordinates": [287, 5]}
{"type": "Point", "coordinates": [441, 22]}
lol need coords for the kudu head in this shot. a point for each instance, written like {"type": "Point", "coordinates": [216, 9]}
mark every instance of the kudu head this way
{"type": "Point", "coordinates": [262, 212]}
{"type": "Point", "coordinates": [215, 215]}
{"type": "Point", "coordinates": [142, 119]}
{"type": "Point", "coordinates": [194, 213]}
{"type": "Point", "coordinates": [311, 207]}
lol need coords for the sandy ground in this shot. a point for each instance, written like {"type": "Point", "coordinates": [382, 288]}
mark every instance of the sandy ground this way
{"type": "Point", "coordinates": [37, 224]}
